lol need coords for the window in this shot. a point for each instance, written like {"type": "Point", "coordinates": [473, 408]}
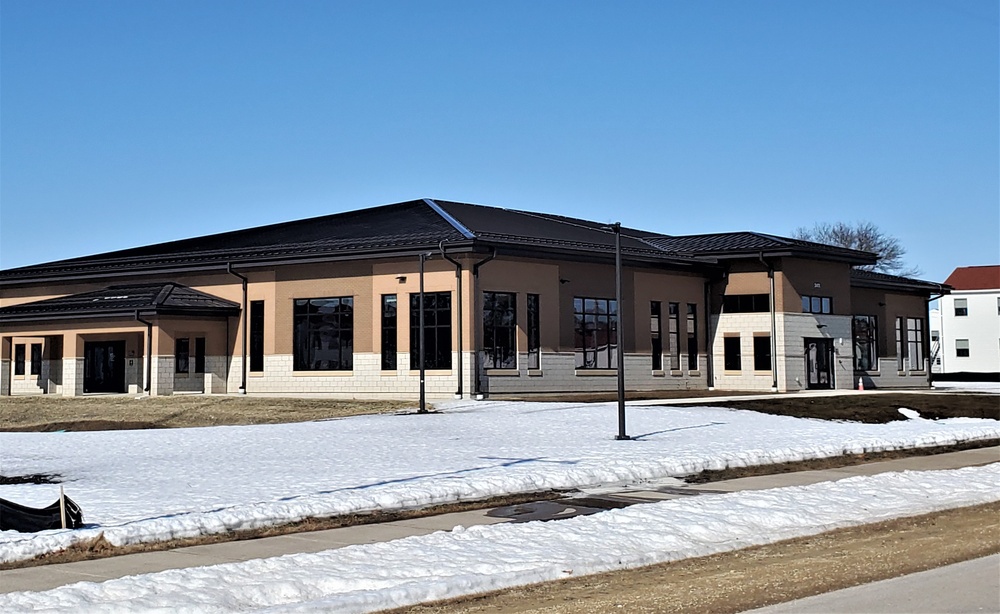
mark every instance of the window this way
{"type": "Point", "coordinates": [731, 360]}
{"type": "Point", "coordinates": [323, 334]}
{"type": "Point", "coordinates": [962, 348]}
{"type": "Point", "coordinates": [595, 328]}
{"type": "Point", "coordinates": [692, 333]}
{"type": "Point", "coordinates": [915, 343]}
{"type": "Point", "coordinates": [900, 346]}
{"type": "Point", "coordinates": [655, 325]}
{"type": "Point", "coordinates": [19, 359]}
{"type": "Point", "coordinates": [437, 330]}
{"type": "Point", "coordinates": [534, 333]}
{"type": "Point", "coordinates": [182, 355]}
{"type": "Point", "coordinates": [500, 330]}
{"type": "Point", "coordinates": [257, 336]}
{"type": "Point", "coordinates": [199, 355]}
{"type": "Point", "coordinates": [865, 333]}
{"type": "Point", "coordinates": [961, 307]}
{"type": "Point", "coordinates": [390, 343]}
{"type": "Point", "coordinates": [762, 353]}
{"type": "Point", "coordinates": [674, 324]}
{"type": "Point", "coordinates": [746, 303]}
{"type": "Point", "coordinates": [36, 358]}
{"type": "Point", "coordinates": [817, 304]}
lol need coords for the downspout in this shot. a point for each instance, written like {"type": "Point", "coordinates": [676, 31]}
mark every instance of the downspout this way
{"type": "Point", "coordinates": [458, 283]}
{"type": "Point", "coordinates": [774, 326]}
{"type": "Point", "coordinates": [477, 392]}
{"type": "Point", "coordinates": [243, 316]}
{"type": "Point", "coordinates": [709, 350]}
{"type": "Point", "coordinates": [149, 351]}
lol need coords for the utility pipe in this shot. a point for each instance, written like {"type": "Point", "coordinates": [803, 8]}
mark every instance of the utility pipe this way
{"type": "Point", "coordinates": [243, 317]}
{"type": "Point", "coordinates": [149, 350]}
{"type": "Point", "coordinates": [774, 327]}
{"type": "Point", "coordinates": [458, 283]}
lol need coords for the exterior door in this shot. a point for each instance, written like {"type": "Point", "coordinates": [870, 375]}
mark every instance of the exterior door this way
{"type": "Point", "coordinates": [104, 366]}
{"type": "Point", "coordinates": [819, 363]}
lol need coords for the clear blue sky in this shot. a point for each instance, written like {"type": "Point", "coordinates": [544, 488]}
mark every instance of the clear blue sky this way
{"type": "Point", "coordinates": [127, 123]}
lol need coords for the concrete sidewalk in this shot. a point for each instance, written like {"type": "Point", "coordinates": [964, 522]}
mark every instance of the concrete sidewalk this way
{"type": "Point", "coordinates": [589, 501]}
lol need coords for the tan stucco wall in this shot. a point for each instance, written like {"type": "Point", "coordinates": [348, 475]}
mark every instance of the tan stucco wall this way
{"type": "Point", "coordinates": [797, 278]}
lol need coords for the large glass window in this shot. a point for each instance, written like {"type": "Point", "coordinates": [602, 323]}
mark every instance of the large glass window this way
{"type": "Point", "coordinates": [655, 326]}
{"type": "Point", "coordinates": [746, 303]}
{"type": "Point", "coordinates": [865, 334]}
{"type": "Point", "coordinates": [199, 355]}
{"type": "Point", "coordinates": [762, 353]}
{"type": "Point", "coordinates": [437, 330]}
{"type": "Point", "coordinates": [534, 333]}
{"type": "Point", "coordinates": [256, 336]}
{"type": "Point", "coordinates": [499, 330]}
{"type": "Point", "coordinates": [900, 345]}
{"type": "Point", "coordinates": [915, 343]}
{"type": "Point", "coordinates": [36, 358]}
{"type": "Point", "coordinates": [817, 304]}
{"type": "Point", "coordinates": [692, 334]}
{"type": "Point", "coordinates": [389, 330]}
{"type": "Point", "coordinates": [182, 355]}
{"type": "Point", "coordinates": [674, 324]}
{"type": "Point", "coordinates": [732, 361]}
{"type": "Point", "coordinates": [19, 359]}
{"type": "Point", "coordinates": [323, 337]}
{"type": "Point", "coordinates": [595, 328]}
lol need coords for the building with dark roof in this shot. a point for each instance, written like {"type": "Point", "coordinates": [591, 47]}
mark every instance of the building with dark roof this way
{"type": "Point", "coordinates": [514, 302]}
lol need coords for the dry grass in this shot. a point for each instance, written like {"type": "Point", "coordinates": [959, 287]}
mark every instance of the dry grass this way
{"type": "Point", "coordinates": [51, 413]}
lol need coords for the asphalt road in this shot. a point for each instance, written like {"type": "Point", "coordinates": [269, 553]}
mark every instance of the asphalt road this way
{"type": "Point", "coordinates": [970, 586]}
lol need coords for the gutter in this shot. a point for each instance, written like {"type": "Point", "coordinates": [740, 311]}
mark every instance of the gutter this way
{"type": "Point", "coordinates": [458, 283]}
{"type": "Point", "coordinates": [477, 391]}
{"type": "Point", "coordinates": [244, 319]}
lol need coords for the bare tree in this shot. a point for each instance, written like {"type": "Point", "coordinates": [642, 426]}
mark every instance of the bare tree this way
{"type": "Point", "coordinates": [864, 236]}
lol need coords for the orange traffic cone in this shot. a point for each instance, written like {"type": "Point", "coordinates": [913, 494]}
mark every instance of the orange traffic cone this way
{"type": "Point", "coordinates": [861, 384]}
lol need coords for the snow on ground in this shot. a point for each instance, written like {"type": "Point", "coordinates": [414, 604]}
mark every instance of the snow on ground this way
{"type": "Point", "coordinates": [967, 386]}
{"type": "Point", "coordinates": [152, 485]}
{"type": "Point", "coordinates": [465, 561]}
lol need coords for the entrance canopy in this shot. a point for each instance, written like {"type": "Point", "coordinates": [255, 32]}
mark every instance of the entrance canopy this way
{"type": "Point", "coordinates": [143, 300]}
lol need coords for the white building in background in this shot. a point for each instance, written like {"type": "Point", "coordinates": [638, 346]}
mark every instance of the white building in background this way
{"type": "Point", "coordinates": [965, 328]}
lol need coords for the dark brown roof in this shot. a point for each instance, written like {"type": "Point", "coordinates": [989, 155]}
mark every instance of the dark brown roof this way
{"type": "Point", "coordinates": [741, 244]}
{"type": "Point", "coordinates": [975, 278]}
{"type": "Point", "coordinates": [875, 279]}
{"type": "Point", "coordinates": [130, 300]}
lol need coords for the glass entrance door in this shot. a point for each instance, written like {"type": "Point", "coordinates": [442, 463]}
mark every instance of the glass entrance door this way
{"type": "Point", "coordinates": [819, 363]}
{"type": "Point", "coordinates": [104, 366]}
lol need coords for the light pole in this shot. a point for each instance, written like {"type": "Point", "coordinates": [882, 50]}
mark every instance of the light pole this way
{"type": "Point", "coordinates": [617, 229]}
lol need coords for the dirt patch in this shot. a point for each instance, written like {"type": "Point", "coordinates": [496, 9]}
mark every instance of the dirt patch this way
{"type": "Point", "coordinates": [875, 408]}
{"type": "Point", "coordinates": [759, 576]}
{"type": "Point", "coordinates": [46, 413]}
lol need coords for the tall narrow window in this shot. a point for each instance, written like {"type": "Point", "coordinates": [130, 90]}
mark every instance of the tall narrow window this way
{"type": "Point", "coordinates": [499, 330]}
{"type": "Point", "coordinates": [961, 307]}
{"type": "Point", "coordinates": [865, 343]}
{"type": "Point", "coordinates": [674, 324]}
{"type": "Point", "coordinates": [915, 343]}
{"type": "Point", "coordinates": [199, 355]}
{"type": "Point", "coordinates": [257, 336]}
{"type": "Point", "coordinates": [19, 359]}
{"type": "Point", "coordinates": [762, 353]}
{"type": "Point", "coordinates": [692, 333]}
{"type": "Point", "coordinates": [437, 330]}
{"type": "Point", "coordinates": [732, 360]}
{"type": "Point", "coordinates": [900, 345]}
{"type": "Point", "coordinates": [534, 334]}
{"type": "Point", "coordinates": [36, 358]}
{"type": "Point", "coordinates": [182, 355]}
{"type": "Point", "coordinates": [389, 329]}
{"type": "Point", "coordinates": [962, 348]}
{"type": "Point", "coordinates": [595, 329]}
{"type": "Point", "coordinates": [655, 326]}
{"type": "Point", "coordinates": [323, 334]}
